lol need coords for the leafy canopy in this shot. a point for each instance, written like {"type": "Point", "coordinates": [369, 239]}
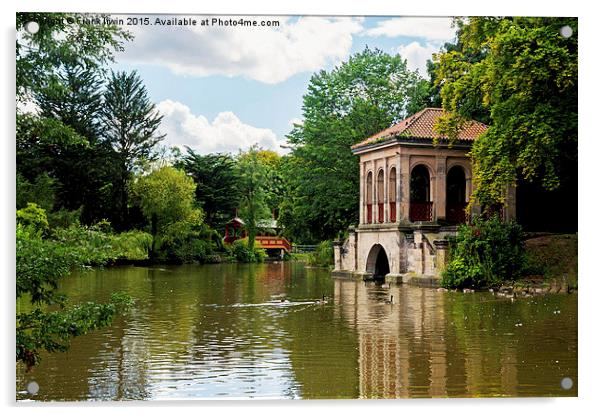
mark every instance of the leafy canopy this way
{"type": "Point", "coordinates": [362, 96]}
{"type": "Point", "coordinates": [523, 73]}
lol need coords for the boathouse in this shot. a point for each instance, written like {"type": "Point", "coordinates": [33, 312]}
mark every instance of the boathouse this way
{"type": "Point", "coordinates": [413, 193]}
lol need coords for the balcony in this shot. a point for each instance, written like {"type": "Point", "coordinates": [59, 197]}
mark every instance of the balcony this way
{"type": "Point", "coordinates": [421, 211]}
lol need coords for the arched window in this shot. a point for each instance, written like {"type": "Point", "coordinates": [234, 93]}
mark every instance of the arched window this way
{"type": "Point", "coordinates": [380, 194]}
{"type": "Point", "coordinates": [393, 195]}
{"type": "Point", "coordinates": [368, 196]}
{"type": "Point", "coordinates": [455, 195]}
{"type": "Point", "coordinates": [421, 206]}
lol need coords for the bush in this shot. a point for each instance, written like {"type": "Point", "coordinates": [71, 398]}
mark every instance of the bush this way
{"type": "Point", "coordinates": [323, 255]}
{"type": "Point", "coordinates": [239, 251]}
{"type": "Point", "coordinates": [96, 245]}
{"type": "Point", "coordinates": [485, 253]}
{"type": "Point", "coordinates": [33, 217]}
{"type": "Point", "coordinates": [185, 242]}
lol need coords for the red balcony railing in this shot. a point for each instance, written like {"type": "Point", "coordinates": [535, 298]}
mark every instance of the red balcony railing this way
{"type": "Point", "coordinates": [455, 213]}
{"type": "Point", "coordinates": [421, 211]}
{"type": "Point", "coordinates": [392, 212]}
{"type": "Point", "coordinates": [369, 213]}
{"type": "Point", "coordinates": [381, 212]}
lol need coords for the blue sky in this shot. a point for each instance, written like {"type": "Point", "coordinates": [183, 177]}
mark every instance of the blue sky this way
{"type": "Point", "coordinates": [225, 88]}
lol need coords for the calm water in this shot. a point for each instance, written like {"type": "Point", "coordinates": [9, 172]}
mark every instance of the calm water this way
{"type": "Point", "coordinates": [214, 331]}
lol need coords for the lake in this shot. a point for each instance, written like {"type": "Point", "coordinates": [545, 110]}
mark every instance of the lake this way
{"type": "Point", "coordinates": [257, 331]}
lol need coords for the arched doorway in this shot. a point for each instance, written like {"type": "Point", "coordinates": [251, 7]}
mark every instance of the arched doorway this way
{"type": "Point", "coordinates": [377, 263]}
{"type": "Point", "coordinates": [455, 195]}
{"type": "Point", "coordinates": [421, 205]}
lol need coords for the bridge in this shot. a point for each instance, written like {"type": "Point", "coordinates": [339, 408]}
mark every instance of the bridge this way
{"type": "Point", "coordinates": [273, 242]}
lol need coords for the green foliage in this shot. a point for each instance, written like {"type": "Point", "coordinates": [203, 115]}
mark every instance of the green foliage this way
{"type": "Point", "coordinates": [96, 245]}
{"type": "Point", "coordinates": [240, 251]}
{"type": "Point", "coordinates": [217, 185]}
{"type": "Point", "coordinates": [41, 191]}
{"type": "Point", "coordinates": [362, 96]}
{"type": "Point", "coordinates": [131, 127]}
{"type": "Point", "coordinates": [64, 218]}
{"type": "Point", "coordinates": [52, 331]}
{"type": "Point", "coordinates": [323, 256]}
{"type": "Point", "coordinates": [166, 197]}
{"type": "Point", "coordinates": [34, 217]}
{"type": "Point", "coordinates": [62, 38]}
{"type": "Point", "coordinates": [485, 253]}
{"type": "Point", "coordinates": [253, 183]}
{"type": "Point", "coordinates": [523, 73]}
{"type": "Point", "coordinates": [40, 265]}
{"type": "Point", "coordinates": [186, 241]}
{"type": "Point", "coordinates": [61, 165]}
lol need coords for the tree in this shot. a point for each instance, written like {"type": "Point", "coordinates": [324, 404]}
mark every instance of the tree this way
{"type": "Point", "coordinates": [523, 72]}
{"type": "Point", "coordinates": [63, 38]}
{"type": "Point", "coordinates": [217, 184]}
{"type": "Point", "coordinates": [166, 197]}
{"type": "Point", "coordinates": [59, 71]}
{"type": "Point", "coordinates": [132, 124]}
{"type": "Point", "coordinates": [253, 181]}
{"type": "Point", "coordinates": [40, 265]}
{"type": "Point", "coordinates": [360, 97]}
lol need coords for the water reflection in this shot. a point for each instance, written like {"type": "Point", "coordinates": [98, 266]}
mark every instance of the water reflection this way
{"type": "Point", "coordinates": [433, 344]}
{"type": "Point", "coordinates": [215, 331]}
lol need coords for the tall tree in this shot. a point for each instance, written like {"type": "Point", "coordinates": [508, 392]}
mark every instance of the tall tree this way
{"type": "Point", "coordinates": [132, 123]}
{"type": "Point", "coordinates": [58, 74]}
{"type": "Point", "coordinates": [360, 97]}
{"type": "Point", "coordinates": [523, 72]}
{"type": "Point", "coordinates": [74, 96]}
{"type": "Point", "coordinates": [253, 181]}
{"type": "Point", "coordinates": [217, 182]}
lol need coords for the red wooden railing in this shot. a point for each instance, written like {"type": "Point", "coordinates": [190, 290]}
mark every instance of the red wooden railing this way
{"type": "Point", "coordinates": [268, 242]}
{"type": "Point", "coordinates": [456, 213]}
{"type": "Point", "coordinates": [369, 213]}
{"type": "Point", "coordinates": [421, 211]}
{"type": "Point", "coordinates": [392, 211]}
{"type": "Point", "coordinates": [381, 212]}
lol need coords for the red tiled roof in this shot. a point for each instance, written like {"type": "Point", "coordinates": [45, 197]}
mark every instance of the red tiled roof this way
{"type": "Point", "coordinates": [422, 126]}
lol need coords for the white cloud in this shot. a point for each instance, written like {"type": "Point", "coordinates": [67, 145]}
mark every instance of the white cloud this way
{"type": "Point", "coordinates": [430, 28]}
{"type": "Point", "coordinates": [294, 121]}
{"type": "Point", "coordinates": [226, 133]}
{"type": "Point", "coordinates": [266, 54]}
{"type": "Point", "coordinates": [417, 55]}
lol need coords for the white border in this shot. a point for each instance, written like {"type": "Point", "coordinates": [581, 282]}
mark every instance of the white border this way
{"type": "Point", "coordinates": [590, 147]}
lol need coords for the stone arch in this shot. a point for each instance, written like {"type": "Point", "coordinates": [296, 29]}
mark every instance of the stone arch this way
{"type": "Point", "coordinates": [377, 262]}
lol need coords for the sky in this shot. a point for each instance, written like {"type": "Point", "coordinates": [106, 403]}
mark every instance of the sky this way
{"type": "Point", "coordinates": [222, 88]}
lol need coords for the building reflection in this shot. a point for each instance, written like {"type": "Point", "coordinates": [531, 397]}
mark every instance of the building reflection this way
{"type": "Point", "coordinates": [421, 345]}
